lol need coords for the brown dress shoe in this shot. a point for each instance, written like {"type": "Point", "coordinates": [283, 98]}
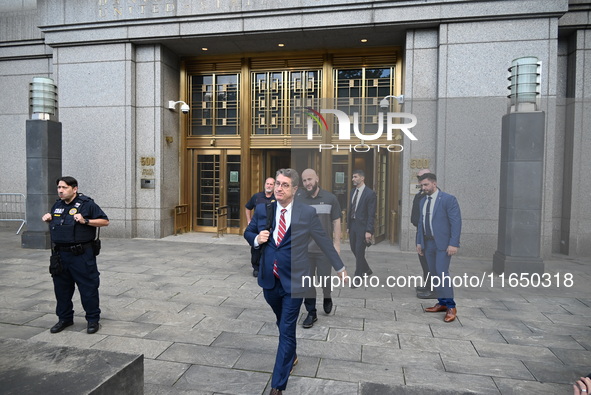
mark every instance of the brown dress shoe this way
{"type": "Point", "coordinates": [450, 315]}
{"type": "Point", "coordinates": [275, 391]}
{"type": "Point", "coordinates": [435, 308]}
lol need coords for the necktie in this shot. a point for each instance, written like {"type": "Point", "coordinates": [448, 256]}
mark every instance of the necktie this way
{"type": "Point", "coordinates": [355, 202]}
{"type": "Point", "coordinates": [428, 232]}
{"type": "Point", "coordinates": [280, 235]}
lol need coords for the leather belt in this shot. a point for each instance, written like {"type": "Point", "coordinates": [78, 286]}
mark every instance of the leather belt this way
{"type": "Point", "coordinates": [429, 237]}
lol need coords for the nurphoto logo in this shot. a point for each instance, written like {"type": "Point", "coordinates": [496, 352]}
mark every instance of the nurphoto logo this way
{"type": "Point", "coordinates": [344, 129]}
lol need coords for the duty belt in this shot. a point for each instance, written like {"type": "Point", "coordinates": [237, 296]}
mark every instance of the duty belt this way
{"type": "Point", "coordinates": [73, 247]}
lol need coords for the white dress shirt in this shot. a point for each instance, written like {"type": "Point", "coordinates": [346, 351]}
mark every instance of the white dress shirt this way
{"type": "Point", "coordinates": [287, 217]}
{"type": "Point", "coordinates": [433, 198]}
{"type": "Point", "coordinates": [360, 189]}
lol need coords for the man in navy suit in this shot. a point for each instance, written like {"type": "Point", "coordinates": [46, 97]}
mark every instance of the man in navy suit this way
{"type": "Point", "coordinates": [283, 229]}
{"type": "Point", "coordinates": [361, 221]}
{"type": "Point", "coordinates": [424, 290]}
{"type": "Point", "coordinates": [438, 238]}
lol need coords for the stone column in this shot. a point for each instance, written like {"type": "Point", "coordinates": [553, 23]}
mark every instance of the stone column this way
{"type": "Point", "coordinates": [521, 192]}
{"type": "Point", "coordinates": [44, 167]}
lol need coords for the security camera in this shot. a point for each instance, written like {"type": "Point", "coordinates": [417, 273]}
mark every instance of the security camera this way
{"type": "Point", "coordinates": [384, 103]}
{"type": "Point", "coordinates": [184, 106]}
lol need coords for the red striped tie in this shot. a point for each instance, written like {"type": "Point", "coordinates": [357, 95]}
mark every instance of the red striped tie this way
{"type": "Point", "coordinates": [280, 235]}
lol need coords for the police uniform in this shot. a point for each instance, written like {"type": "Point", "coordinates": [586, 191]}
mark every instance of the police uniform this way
{"type": "Point", "coordinates": [73, 242]}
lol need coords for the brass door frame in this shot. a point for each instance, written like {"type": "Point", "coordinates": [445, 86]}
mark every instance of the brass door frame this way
{"type": "Point", "coordinates": [221, 188]}
{"type": "Point", "coordinates": [244, 143]}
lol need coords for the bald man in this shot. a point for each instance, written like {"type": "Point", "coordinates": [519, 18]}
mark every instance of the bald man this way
{"type": "Point", "coordinates": [329, 211]}
{"type": "Point", "coordinates": [423, 290]}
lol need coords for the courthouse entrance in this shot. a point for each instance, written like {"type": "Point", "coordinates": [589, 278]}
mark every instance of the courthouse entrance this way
{"type": "Point", "coordinates": [244, 125]}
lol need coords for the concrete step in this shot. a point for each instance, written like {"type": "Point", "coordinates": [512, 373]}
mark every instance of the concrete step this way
{"type": "Point", "coordinates": [29, 367]}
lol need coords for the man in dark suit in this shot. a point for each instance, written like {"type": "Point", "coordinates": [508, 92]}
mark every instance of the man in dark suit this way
{"type": "Point", "coordinates": [361, 221]}
{"type": "Point", "coordinates": [423, 290]}
{"type": "Point", "coordinates": [283, 229]}
{"type": "Point", "coordinates": [438, 238]}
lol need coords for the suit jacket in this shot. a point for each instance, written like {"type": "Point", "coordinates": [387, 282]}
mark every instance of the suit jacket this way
{"type": "Point", "coordinates": [446, 221]}
{"type": "Point", "coordinates": [366, 209]}
{"type": "Point", "coordinates": [415, 215]}
{"type": "Point", "coordinates": [292, 254]}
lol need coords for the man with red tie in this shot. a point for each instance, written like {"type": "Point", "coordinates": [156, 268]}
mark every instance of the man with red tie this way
{"type": "Point", "coordinates": [283, 230]}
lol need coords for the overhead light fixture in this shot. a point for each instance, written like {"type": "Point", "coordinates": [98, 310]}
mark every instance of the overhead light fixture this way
{"type": "Point", "coordinates": [204, 49]}
{"type": "Point", "coordinates": [281, 45]}
{"type": "Point", "coordinates": [385, 102]}
{"type": "Point", "coordinates": [364, 40]}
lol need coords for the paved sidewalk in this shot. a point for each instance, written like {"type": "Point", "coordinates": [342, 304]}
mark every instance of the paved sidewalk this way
{"type": "Point", "coordinates": [189, 303]}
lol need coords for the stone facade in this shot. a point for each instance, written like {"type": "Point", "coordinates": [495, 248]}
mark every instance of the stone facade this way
{"type": "Point", "coordinates": [117, 63]}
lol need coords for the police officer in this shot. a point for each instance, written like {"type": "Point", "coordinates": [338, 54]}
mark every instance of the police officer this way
{"type": "Point", "coordinates": [266, 196]}
{"type": "Point", "coordinates": [72, 225]}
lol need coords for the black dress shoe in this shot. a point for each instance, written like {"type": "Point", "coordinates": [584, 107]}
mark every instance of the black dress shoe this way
{"type": "Point", "coordinates": [275, 391]}
{"type": "Point", "coordinates": [310, 320]}
{"type": "Point", "coordinates": [327, 305]}
{"type": "Point", "coordinates": [92, 327]}
{"type": "Point", "coordinates": [60, 326]}
{"type": "Point", "coordinates": [255, 273]}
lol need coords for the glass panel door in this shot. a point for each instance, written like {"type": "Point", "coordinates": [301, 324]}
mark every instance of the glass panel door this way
{"type": "Point", "coordinates": [207, 190]}
{"type": "Point", "coordinates": [233, 191]}
{"type": "Point", "coordinates": [216, 190]}
{"type": "Point", "coordinates": [381, 189]}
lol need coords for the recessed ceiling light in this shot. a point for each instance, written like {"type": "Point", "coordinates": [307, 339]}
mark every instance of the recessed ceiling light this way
{"type": "Point", "coordinates": [364, 40]}
{"type": "Point", "coordinates": [281, 45]}
{"type": "Point", "coordinates": [204, 49]}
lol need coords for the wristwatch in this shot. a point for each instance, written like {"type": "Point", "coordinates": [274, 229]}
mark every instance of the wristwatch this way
{"type": "Point", "coordinates": [86, 221]}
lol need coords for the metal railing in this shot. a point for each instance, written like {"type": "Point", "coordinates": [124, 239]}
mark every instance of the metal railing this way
{"type": "Point", "coordinates": [181, 218]}
{"type": "Point", "coordinates": [222, 217]}
{"type": "Point", "coordinates": [13, 207]}
{"type": "Point", "coordinates": [344, 235]}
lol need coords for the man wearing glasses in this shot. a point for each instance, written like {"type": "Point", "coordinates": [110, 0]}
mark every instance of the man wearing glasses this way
{"type": "Point", "coordinates": [283, 230]}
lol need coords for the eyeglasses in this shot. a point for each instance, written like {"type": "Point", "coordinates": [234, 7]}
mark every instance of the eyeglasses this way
{"type": "Point", "coordinates": [282, 185]}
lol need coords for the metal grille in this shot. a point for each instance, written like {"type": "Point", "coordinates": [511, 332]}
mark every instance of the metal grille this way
{"type": "Point", "coordinates": [359, 90]}
{"type": "Point", "coordinates": [278, 98]}
{"type": "Point", "coordinates": [215, 105]}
